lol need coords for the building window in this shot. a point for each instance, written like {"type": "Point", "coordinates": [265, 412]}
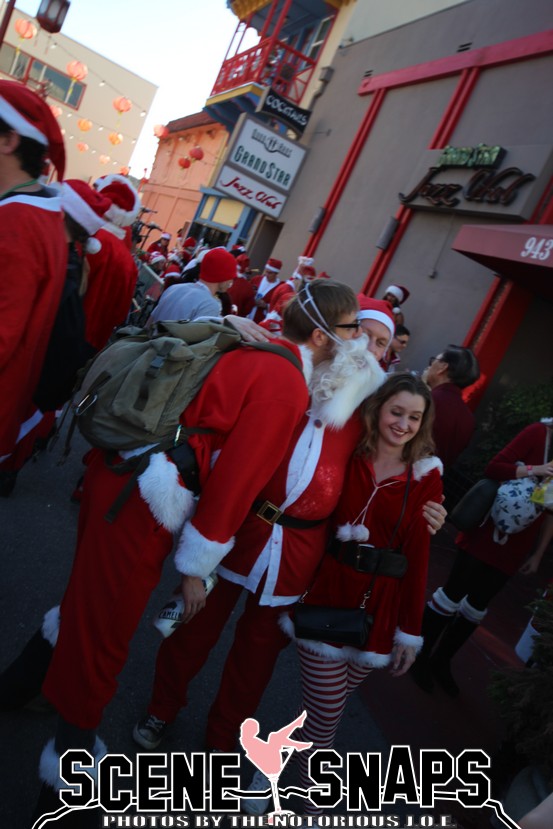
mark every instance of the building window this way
{"type": "Point", "coordinates": [319, 38]}
{"type": "Point", "coordinates": [21, 66]}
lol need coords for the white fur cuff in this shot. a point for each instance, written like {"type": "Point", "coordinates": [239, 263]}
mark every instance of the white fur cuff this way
{"type": "Point", "coordinates": [197, 555]}
{"type": "Point", "coordinates": [161, 487]}
{"type": "Point", "coordinates": [51, 625]}
{"type": "Point", "coordinates": [408, 639]}
{"type": "Point", "coordinates": [49, 765]}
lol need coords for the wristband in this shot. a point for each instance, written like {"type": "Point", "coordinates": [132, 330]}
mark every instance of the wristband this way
{"type": "Point", "coordinates": [529, 469]}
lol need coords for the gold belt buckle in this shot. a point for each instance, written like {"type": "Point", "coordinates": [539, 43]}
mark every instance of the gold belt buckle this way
{"type": "Point", "coordinates": [269, 512]}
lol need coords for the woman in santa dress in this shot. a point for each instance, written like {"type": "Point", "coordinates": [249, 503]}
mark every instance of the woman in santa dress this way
{"type": "Point", "coordinates": [389, 479]}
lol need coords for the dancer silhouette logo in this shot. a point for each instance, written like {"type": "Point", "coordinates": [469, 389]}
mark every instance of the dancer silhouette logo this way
{"type": "Point", "coordinates": [197, 790]}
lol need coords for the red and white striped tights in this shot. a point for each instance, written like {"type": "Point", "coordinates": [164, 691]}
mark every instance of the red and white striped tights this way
{"type": "Point", "coordinates": [326, 687]}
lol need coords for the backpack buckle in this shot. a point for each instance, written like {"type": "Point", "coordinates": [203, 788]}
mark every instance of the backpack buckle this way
{"type": "Point", "coordinates": [87, 401]}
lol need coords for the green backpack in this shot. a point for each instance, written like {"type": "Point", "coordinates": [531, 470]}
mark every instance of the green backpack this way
{"type": "Point", "coordinates": [135, 390]}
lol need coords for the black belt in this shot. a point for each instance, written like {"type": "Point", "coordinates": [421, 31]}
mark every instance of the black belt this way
{"type": "Point", "coordinates": [273, 515]}
{"type": "Point", "coordinates": [367, 559]}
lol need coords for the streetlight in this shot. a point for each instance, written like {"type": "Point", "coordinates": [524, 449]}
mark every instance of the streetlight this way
{"type": "Point", "coordinates": [51, 14]}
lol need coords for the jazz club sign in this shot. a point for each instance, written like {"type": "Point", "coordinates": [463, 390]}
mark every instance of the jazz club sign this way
{"type": "Point", "coordinates": [260, 167]}
{"type": "Point", "coordinates": [503, 182]}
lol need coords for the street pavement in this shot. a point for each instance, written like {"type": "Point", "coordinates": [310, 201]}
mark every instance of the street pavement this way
{"type": "Point", "coordinates": [37, 535]}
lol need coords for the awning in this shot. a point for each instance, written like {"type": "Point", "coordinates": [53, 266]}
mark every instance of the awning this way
{"type": "Point", "coordinates": [520, 252]}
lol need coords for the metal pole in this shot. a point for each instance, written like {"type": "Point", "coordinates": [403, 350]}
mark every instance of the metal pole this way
{"type": "Point", "coordinates": [6, 20]}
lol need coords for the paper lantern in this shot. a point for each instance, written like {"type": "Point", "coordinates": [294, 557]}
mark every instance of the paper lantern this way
{"type": "Point", "coordinates": [160, 131]}
{"type": "Point", "coordinates": [104, 159]}
{"type": "Point", "coordinates": [196, 153]}
{"type": "Point", "coordinates": [56, 111]}
{"type": "Point", "coordinates": [84, 124]}
{"type": "Point", "coordinates": [25, 29]}
{"type": "Point", "coordinates": [115, 138]}
{"type": "Point", "coordinates": [121, 104]}
{"type": "Point", "coordinates": [76, 70]}
{"type": "Point", "coordinates": [184, 163]}
{"type": "Point", "coordinates": [82, 147]}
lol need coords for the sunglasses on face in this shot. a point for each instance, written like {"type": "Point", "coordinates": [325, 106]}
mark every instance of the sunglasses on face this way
{"type": "Point", "coordinates": [434, 359]}
{"type": "Point", "coordinates": [354, 326]}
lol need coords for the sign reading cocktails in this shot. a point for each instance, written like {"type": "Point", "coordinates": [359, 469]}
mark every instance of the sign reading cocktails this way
{"type": "Point", "coordinates": [261, 167]}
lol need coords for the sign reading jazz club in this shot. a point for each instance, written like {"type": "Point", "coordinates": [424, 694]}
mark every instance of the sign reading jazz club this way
{"type": "Point", "coordinates": [260, 168]}
{"type": "Point", "coordinates": [504, 182]}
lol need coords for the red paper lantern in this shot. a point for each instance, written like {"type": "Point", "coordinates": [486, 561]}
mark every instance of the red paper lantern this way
{"type": "Point", "coordinates": [84, 124]}
{"type": "Point", "coordinates": [160, 131]}
{"type": "Point", "coordinates": [56, 111]}
{"type": "Point", "coordinates": [121, 104]}
{"type": "Point", "coordinates": [184, 163]}
{"type": "Point", "coordinates": [196, 153]}
{"type": "Point", "coordinates": [82, 147]}
{"type": "Point", "coordinates": [76, 70]}
{"type": "Point", "coordinates": [104, 159]}
{"type": "Point", "coordinates": [25, 29]}
{"type": "Point", "coordinates": [115, 138]}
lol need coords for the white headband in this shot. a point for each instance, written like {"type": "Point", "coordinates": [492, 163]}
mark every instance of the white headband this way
{"type": "Point", "coordinates": [322, 323]}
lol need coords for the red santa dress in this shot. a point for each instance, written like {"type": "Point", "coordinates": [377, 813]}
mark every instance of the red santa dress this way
{"type": "Point", "coordinates": [33, 251]}
{"type": "Point", "coordinates": [117, 565]}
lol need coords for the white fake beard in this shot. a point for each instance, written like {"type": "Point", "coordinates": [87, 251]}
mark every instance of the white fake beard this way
{"type": "Point", "coordinates": [330, 376]}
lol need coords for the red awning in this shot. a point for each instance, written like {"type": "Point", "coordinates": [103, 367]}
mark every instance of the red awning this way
{"type": "Point", "coordinates": [520, 252]}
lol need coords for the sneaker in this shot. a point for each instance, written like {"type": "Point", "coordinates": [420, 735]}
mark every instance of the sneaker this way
{"type": "Point", "coordinates": [149, 731]}
{"type": "Point", "coordinates": [257, 805]}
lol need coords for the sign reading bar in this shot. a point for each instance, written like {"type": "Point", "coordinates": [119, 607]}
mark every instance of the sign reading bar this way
{"type": "Point", "coordinates": [285, 110]}
{"type": "Point", "coordinates": [474, 180]}
{"type": "Point", "coordinates": [260, 163]}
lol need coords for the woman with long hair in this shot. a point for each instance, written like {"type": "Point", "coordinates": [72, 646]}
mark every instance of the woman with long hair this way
{"type": "Point", "coordinates": [380, 532]}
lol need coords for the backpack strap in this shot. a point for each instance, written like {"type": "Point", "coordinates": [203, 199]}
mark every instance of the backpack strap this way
{"type": "Point", "coordinates": [281, 350]}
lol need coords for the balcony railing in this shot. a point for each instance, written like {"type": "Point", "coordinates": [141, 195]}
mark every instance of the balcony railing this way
{"type": "Point", "coordinates": [269, 64]}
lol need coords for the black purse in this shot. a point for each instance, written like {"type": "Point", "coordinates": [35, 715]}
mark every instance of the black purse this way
{"type": "Point", "coordinates": [342, 625]}
{"type": "Point", "coordinates": [475, 504]}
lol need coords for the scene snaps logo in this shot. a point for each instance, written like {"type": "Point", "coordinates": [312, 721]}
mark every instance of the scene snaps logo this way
{"type": "Point", "coordinates": [198, 790]}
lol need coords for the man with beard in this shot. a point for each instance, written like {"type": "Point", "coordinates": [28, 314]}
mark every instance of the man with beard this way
{"type": "Point", "coordinates": [117, 565]}
{"type": "Point", "coordinates": [278, 547]}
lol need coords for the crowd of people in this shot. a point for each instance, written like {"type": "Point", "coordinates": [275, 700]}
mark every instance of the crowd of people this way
{"type": "Point", "coordinates": [333, 504]}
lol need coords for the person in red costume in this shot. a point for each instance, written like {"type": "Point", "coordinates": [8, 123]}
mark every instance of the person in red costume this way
{"type": "Point", "coordinates": [483, 565]}
{"type": "Point", "coordinates": [33, 250]}
{"type": "Point", "coordinates": [233, 403]}
{"type": "Point", "coordinates": [242, 292]}
{"type": "Point", "coordinates": [265, 284]}
{"type": "Point", "coordinates": [387, 484]}
{"type": "Point", "coordinates": [125, 202]}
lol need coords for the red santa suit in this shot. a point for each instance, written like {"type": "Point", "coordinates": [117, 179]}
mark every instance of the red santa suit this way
{"type": "Point", "coordinates": [274, 562]}
{"type": "Point", "coordinates": [117, 565]}
{"type": "Point", "coordinates": [242, 295]}
{"type": "Point", "coordinates": [264, 290]}
{"type": "Point", "coordinates": [110, 288]}
{"type": "Point", "coordinates": [279, 297]}
{"type": "Point", "coordinates": [33, 250]}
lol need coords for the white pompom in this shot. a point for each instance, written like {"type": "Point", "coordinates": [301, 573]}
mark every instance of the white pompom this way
{"type": "Point", "coordinates": [93, 245]}
{"type": "Point", "coordinates": [344, 532]}
{"type": "Point", "coordinates": [360, 532]}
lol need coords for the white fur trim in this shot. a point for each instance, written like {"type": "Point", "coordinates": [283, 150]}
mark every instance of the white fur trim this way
{"type": "Point", "coordinates": [114, 230]}
{"type": "Point", "coordinates": [442, 604]}
{"type": "Point", "coordinates": [51, 625]}
{"type": "Point", "coordinates": [161, 487]}
{"type": "Point", "coordinates": [197, 555]}
{"type": "Point", "coordinates": [80, 211]}
{"type": "Point", "coordinates": [332, 653]}
{"type": "Point", "coordinates": [117, 214]}
{"type": "Point", "coordinates": [19, 123]}
{"type": "Point", "coordinates": [402, 638]}
{"type": "Point", "coordinates": [93, 245]}
{"type": "Point", "coordinates": [394, 290]}
{"type": "Point", "coordinates": [49, 765]}
{"type": "Point", "coordinates": [426, 465]}
{"type": "Point", "coordinates": [379, 316]}
{"type": "Point", "coordinates": [352, 532]}
{"type": "Point", "coordinates": [307, 362]}
{"type": "Point", "coordinates": [471, 613]}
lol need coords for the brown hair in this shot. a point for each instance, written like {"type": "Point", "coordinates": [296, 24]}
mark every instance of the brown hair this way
{"type": "Point", "coordinates": [333, 299]}
{"type": "Point", "coordinates": [422, 445]}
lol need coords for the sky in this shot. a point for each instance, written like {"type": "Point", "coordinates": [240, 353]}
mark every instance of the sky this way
{"type": "Point", "coordinates": [178, 45]}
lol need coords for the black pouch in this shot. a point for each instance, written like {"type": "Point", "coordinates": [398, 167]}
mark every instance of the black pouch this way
{"type": "Point", "coordinates": [337, 625]}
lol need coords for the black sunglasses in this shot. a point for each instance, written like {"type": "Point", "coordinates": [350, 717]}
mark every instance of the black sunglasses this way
{"type": "Point", "coordinates": [351, 325]}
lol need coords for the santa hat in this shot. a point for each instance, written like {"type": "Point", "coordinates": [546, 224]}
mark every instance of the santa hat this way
{"type": "Point", "coordinates": [323, 275]}
{"type": "Point", "coordinates": [217, 265]}
{"type": "Point", "coordinates": [174, 257]}
{"type": "Point", "coordinates": [273, 265]}
{"type": "Point", "coordinates": [31, 117]}
{"type": "Point", "coordinates": [243, 261]}
{"type": "Point", "coordinates": [308, 272]}
{"type": "Point", "coordinates": [126, 200]}
{"type": "Point", "coordinates": [165, 236]}
{"type": "Point", "coordinates": [305, 260]}
{"type": "Point", "coordinates": [400, 293]}
{"type": "Point", "coordinates": [190, 242]}
{"type": "Point", "coordinates": [238, 249]}
{"type": "Point", "coordinates": [87, 207]}
{"type": "Point", "coordinates": [376, 309]}
{"type": "Point", "coordinates": [156, 258]}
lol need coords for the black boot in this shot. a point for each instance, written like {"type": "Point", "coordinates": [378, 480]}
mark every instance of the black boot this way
{"type": "Point", "coordinates": [22, 680]}
{"type": "Point", "coordinates": [453, 639]}
{"type": "Point", "coordinates": [433, 625]}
